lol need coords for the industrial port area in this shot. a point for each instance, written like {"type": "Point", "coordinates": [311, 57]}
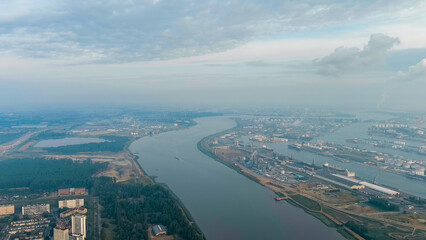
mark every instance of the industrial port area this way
{"type": "Point", "coordinates": [301, 162]}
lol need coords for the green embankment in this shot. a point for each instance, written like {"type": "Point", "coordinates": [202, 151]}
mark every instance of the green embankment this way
{"type": "Point", "coordinates": [307, 202]}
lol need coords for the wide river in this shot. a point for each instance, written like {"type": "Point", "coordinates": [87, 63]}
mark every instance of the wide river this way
{"type": "Point", "coordinates": [225, 204]}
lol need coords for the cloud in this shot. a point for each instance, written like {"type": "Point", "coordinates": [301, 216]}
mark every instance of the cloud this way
{"type": "Point", "coordinates": [400, 60]}
{"type": "Point", "coordinates": [415, 72]}
{"type": "Point", "coordinates": [14, 10]}
{"type": "Point", "coordinates": [345, 59]}
{"type": "Point", "coordinates": [125, 31]}
{"type": "Point", "coordinates": [260, 64]}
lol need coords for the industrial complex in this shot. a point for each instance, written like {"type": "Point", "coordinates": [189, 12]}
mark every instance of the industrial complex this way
{"type": "Point", "coordinates": [369, 185]}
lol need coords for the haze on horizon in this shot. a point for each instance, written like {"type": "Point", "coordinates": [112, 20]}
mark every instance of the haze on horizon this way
{"type": "Point", "coordinates": [369, 54]}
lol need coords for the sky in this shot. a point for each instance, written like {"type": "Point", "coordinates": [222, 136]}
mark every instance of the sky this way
{"type": "Point", "coordinates": [214, 54]}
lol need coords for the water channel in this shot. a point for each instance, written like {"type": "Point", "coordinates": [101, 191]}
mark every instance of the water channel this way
{"type": "Point", "coordinates": [225, 204]}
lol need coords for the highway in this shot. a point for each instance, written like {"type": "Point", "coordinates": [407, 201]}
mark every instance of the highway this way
{"type": "Point", "coordinates": [4, 148]}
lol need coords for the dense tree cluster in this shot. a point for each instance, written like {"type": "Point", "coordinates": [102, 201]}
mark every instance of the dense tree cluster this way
{"type": "Point", "coordinates": [171, 117]}
{"type": "Point", "coordinates": [50, 135]}
{"type": "Point", "coordinates": [383, 204]}
{"type": "Point", "coordinates": [40, 174]}
{"type": "Point", "coordinates": [7, 137]}
{"type": "Point", "coordinates": [359, 228]}
{"type": "Point", "coordinates": [112, 144]}
{"type": "Point", "coordinates": [133, 206]}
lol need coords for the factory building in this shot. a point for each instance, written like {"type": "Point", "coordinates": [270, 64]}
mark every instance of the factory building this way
{"type": "Point", "coordinates": [420, 172]}
{"type": "Point", "coordinates": [73, 203]}
{"type": "Point", "coordinates": [357, 187]}
{"type": "Point", "coordinates": [369, 185]}
{"type": "Point", "coordinates": [350, 174]}
{"type": "Point", "coordinates": [37, 209]}
{"type": "Point", "coordinates": [7, 210]}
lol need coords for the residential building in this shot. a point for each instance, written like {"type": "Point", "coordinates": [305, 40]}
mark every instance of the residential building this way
{"type": "Point", "coordinates": [60, 234]}
{"type": "Point", "coordinates": [78, 225]}
{"type": "Point", "coordinates": [73, 211]}
{"type": "Point", "coordinates": [7, 209]}
{"type": "Point", "coordinates": [36, 209]}
{"type": "Point", "coordinates": [72, 203]}
{"type": "Point", "coordinates": [30, 229]}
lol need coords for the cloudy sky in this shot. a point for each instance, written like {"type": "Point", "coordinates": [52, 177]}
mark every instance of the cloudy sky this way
{"type": "Point", "coordinates": [369, 54]}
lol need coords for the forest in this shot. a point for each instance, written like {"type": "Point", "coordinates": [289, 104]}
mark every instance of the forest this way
{"type": "Point", "coordinates": [112, 144]}
{"type": "Point", "coordinates": [132, 206]}
{"type": "Point", "coordinates": [40, 174]}
{"type": "Point", "coordinates": [359, 228]}
{"type": "Point", "coordinates": [383, 204]}
{"type": "Point", "coordinates": [7, 137]}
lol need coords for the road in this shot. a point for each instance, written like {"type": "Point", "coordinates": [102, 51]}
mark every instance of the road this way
{"type": "Point", "coordinates": [4, 148]}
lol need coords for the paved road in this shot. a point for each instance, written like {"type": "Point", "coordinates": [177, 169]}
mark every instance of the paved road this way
{"type": "Point", "coordinates": [15, 143]}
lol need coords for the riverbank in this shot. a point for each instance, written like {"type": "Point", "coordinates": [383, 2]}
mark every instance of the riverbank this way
{"type": "Point", "coordinates": [145, 179]}
{"type": "Point", "coordinates": [283, 193]}
{"type": "Point", "coordinates": [124, 165]}
{"type": "Point", "coordinates": [325, 212]}
{"type": "Point", "coordinates": [225, 205]}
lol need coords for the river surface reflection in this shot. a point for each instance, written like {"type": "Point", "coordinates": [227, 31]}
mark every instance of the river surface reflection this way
{"type": "Point", "coordinates": [225, 204]}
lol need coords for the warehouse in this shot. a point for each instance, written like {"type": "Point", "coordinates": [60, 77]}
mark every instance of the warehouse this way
{"type": "Point", "coordinates": [369, 185]}
{"type": "Point", "coordinates": [158, 230]}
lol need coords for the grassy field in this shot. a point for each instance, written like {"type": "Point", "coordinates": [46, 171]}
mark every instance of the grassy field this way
{"type": "Point", "coordinates": [345, 234]}
{"type": "Point", "coordinates": [382, 233]}
{"type": "Point", "coordinates": [324, 219]}
{"type": "Point", "coordinates": [107, 232]}
{"type": "Point", "coordinates": [306, 202]}
{"type": "Point", "coordinates": [416, 219]}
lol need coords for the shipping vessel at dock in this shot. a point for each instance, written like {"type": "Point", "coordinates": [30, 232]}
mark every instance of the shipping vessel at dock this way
{"type": "Point", "coordinates": [296, 146]}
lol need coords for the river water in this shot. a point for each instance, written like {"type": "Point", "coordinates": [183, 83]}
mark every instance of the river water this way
{"type": "Point", "coordinates": [225, 204]}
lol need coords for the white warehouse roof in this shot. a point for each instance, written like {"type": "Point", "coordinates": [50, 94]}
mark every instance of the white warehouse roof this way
{"type": "Point", "coordinates": [369, 185]}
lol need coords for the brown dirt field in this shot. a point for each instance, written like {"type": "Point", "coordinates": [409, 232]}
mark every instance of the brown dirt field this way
{"type": "Point", "coordinates": [335, 198]}
{"type": "Point", "coordinates": [25, 147]}
{"type": "Point", "coordinates": [109, 173]}
{"type": "Point", "coordinates": [122, 166]}
{"type": "Point", "coordinates": [358, 208]}
{"type": "Point", "coordinates": [268, 182]}
{"type": "Point", "coordinates": [415, 219]}
{"type": "Point", "coordinates": [229, 154]}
